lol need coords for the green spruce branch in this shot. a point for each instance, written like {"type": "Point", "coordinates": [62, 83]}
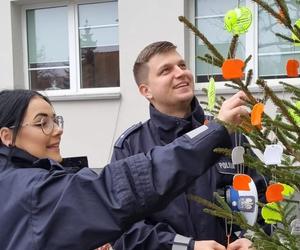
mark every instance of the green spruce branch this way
{"type": "Point", "coordinates": [202, 37]}
{"type": "Point", "coordinates": [223, 211]}
{"type": "Point", "coordinates": [291, 88]}
{"type": "Point", "coordinates": [287, 38]}
{"type": "Point", "coordinates": [233, 46]}
{"type": "Point", "coordinates": [278, 102]}
{"type": "Point", "coordinates": [283, 126]}
{"type": "Point", "coordinates": [273, 13]}
{"type": "Point", "coordinates": [285, 11]}
{"type": "Point", "coordinates": [249, 78]}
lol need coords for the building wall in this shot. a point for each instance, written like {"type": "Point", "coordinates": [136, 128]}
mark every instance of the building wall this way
{"type": "Point", "coordinates": [92, 126]}
{"type": "Point", "coordinates": [6, 76]}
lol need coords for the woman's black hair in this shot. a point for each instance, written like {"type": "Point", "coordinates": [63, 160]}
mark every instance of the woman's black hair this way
{"type": "Point", "coordinates": [13, 106]}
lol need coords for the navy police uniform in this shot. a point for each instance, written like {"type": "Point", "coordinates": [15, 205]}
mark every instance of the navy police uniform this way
{"type": "Point", "coordinates": [183, 220]}
{"type": "Point", "coordinates": [44, 205]}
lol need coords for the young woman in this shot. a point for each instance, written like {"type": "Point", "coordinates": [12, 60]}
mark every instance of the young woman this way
{"type": "Point", "coordinates": [43, 206]}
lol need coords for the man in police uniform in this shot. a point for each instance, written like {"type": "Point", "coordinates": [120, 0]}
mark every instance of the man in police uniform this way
{"type": "Point", "coordinates": [164, 79]}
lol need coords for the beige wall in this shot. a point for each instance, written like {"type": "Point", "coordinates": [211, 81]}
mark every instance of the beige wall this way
{"type": "Point", "coordinates": [143, 22]}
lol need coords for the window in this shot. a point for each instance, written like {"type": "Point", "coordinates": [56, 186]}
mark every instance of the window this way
{"type": "Point", "coordinates": [274, 52]}
{"type": "Point", "coordinates": [73, 48]}
{"type": "Point", "coordinates": [209, 21]}
{"type": "Point", "coordinates": [98, 29]}
{"type": "Point", "coordinates": [48, 49]}
{"type": "Point", "coordinates": [269, 52]}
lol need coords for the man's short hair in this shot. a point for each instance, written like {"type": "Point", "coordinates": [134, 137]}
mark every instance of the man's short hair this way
{"type": "Point", "coordinates": [140, 68]}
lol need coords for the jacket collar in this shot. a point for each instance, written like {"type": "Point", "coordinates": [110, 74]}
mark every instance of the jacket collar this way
{"type": "Point", "coordinates": [23, 159]}
{"type": "Point", "coordinates": [171, 127]}
{"type": "Point", "coordinates": [17, 156]}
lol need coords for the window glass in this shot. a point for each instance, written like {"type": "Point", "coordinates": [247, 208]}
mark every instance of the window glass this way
{"type": "Point", "coordinates": [210, 21]}
{"type": "Point", "coordinates": [211, 27]}
{"type": "Point", "coordinates": [99, 49]}
{"type": "Point", "coordinates": [98, 14]}
{"type": "Point", "coordinates": [99, 37]}
{"type": "Point", "coordinates": [274, 66]}
{"type": "Point", "coordinates": [273, 51]}
{"type": "Point", "coordinates": [48, 49]}
{"type": "Point", "coordinates": [216, 7]}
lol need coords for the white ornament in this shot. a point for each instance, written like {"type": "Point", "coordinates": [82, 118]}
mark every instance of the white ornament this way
{"type": "Point", "coordinates": [295, 224]}
{"type": "Point", "coordinates": [273, 154]}
{"type": "Point", "coordinates": [237, 155]}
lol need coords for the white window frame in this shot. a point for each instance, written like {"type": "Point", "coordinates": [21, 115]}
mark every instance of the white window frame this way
{"type": "Point", "coordinates": [75, 92]}
{"type": "Point", "coordinates": [251, 48]}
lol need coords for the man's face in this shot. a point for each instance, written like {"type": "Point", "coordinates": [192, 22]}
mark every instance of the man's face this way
{"type": "Point", "coordinates": [170, 85]}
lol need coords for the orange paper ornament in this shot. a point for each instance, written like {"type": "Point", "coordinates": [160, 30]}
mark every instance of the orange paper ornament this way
{"type": "Point", "coordinates": [274, 192]}
{"type": "Point", "coordinates": [241, 182]}
{"type": "Point", "coordinates": [233, 69]}
{"type": "Point", "coordinates": [292, 68]}
{"type": "Point", "coordinates": [256, 114]}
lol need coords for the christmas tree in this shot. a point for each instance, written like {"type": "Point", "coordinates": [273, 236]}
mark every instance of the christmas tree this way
{"type": "Point", "coordinates": [276, 137]}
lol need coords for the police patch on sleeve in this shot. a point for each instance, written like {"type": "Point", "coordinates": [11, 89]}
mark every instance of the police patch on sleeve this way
{"type": "Point", "coordinates": [225, 166]}
{"type": "Point", "coordinates": [121, 139]}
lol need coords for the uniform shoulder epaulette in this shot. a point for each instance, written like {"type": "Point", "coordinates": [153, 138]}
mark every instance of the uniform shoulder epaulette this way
{"type": "Point", "coordinates": [130, 130]}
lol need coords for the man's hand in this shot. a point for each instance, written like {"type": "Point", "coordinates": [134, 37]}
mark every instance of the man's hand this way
{"type": "Point", "coordinates": [233, 109]}
{"type": "Point", "coordinates": [208, 245]}
{"type": "Point", "coordinates": [240, 244]}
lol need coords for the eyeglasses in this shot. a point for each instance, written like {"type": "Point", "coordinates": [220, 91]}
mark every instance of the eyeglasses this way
{"type": "Point", "coordinates": [47, 124]}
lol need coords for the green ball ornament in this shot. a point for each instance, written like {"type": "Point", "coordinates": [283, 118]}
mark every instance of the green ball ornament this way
{"type": "Point", "coordinates": [294, 37]}
{"type": "Point", "coordinates": [238, 20]}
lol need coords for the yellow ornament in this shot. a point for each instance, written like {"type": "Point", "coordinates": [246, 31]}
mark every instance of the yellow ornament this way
{"type": "Point", "coordinates": [211, 94]}
{"type": "Point", "coordinates": [288, 191]}
{"type": "Point", "coordinates": [238, 20]}
{"type": "Point", "coordinates": [270, 213]}
{"type": "Point", "coordinates": [294, 37]}
{"type": "Point", "coordinates": [294, 114]}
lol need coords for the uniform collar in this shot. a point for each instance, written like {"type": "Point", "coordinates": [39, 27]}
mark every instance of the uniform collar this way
{"type": "Point", "coordinates": [17, 156]}
{"type": "Point", "coordinates": [23, 159]}
{"type": "Point", "coordinates": [171, 127]}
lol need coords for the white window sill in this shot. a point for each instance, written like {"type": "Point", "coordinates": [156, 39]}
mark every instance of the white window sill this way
{"type": "Point", "coordinates": [87, 94]}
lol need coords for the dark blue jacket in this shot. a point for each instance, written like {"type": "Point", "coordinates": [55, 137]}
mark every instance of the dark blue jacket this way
{"type": "Point", "coordinates": [183, 217]}
{"type": "Point", "coordinates": [44, 206]}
